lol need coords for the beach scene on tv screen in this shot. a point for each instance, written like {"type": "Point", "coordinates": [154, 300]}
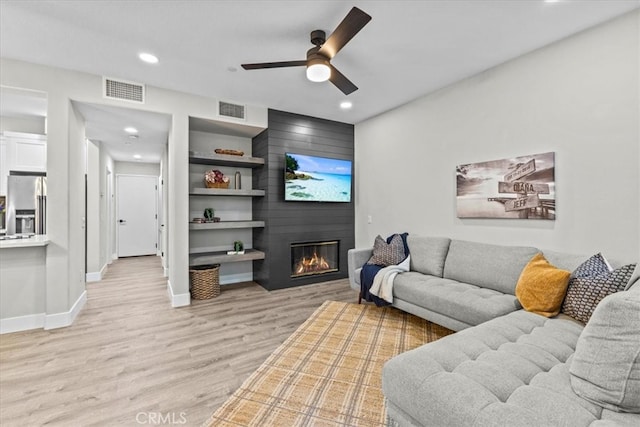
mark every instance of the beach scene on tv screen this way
{"type": "Point", "coordinates": [317, 179]}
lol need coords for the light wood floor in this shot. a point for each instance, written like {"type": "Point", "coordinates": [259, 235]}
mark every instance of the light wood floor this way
{"type": "Point", "coordinates": [130, 358]}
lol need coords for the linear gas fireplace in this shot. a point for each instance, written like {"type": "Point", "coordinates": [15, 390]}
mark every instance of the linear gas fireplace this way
{"type": "Point", "coordinates": [314, 258]}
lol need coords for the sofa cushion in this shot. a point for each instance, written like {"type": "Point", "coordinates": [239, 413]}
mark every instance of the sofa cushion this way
{"type": "Point", "coordinates": [495, 267]}
{"type": "Point", "coordinates": [428, 254]}
{"type": "Point", "coordinates": [584, 293]}
{"type": "Point", "coordinates": [542, 287]}
{"type": "Point", "coordinates": [492, 374]}
{"type": "Point", "coordinates": [462, 301]}
{"type": "Point", "coordinates": [606, 365]}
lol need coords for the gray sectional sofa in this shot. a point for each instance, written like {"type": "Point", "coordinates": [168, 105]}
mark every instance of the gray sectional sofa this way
{"type": "Point", "coordinates": [505, 366]}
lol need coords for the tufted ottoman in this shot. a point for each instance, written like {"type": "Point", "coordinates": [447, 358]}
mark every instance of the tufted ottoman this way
{"type": "Point", "coordinates": [510, 371]}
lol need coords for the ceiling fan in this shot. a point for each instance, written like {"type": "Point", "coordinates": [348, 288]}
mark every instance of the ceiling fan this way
{"type": "Point", "coordinates": [318, 62]}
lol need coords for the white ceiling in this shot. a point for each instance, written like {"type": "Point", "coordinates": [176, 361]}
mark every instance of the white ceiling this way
{"type": "Point", "coordinates": [105, 125]}
{"type": "Point", "coordinates": [410, 48]}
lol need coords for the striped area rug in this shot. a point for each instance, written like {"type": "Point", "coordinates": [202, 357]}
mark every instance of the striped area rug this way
{"type": "Point", "coordinates": [328, 372]}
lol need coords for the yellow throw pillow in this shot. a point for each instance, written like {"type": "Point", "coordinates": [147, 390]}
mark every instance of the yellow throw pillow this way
{"type": "Point", "coordinates": [542, 287]}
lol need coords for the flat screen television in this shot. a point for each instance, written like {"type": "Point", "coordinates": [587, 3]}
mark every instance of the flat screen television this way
{"type": "Point", "coordinates": [316, 179]}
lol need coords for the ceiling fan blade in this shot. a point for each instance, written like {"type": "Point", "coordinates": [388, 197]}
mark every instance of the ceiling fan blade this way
{"type": "Point", "coordinates": [341, 82]}
{"type": "Point", "coordinates": [346, 30]}
{"type": "Point", "coordinates": [282, 64]}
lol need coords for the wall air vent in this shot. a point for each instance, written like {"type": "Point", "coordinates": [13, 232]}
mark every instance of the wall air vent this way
{"type": "Point", "coordinates": [123, 90]}
{"type": "Point", "coordinates": [226, 109]}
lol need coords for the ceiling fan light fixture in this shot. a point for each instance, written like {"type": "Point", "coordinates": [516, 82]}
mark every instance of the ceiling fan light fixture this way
{"type": "Point", "coordinates": [318, 70]}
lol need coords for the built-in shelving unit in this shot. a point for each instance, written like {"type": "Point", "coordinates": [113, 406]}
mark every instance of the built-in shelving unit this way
{"type": "Point", "coordinates": [225, 225]}
{"type": "Point", "coordinates": [225, 192]}
{"type": "Point", "coordinates": [221, 257]}
{"type": "Point", "coordinates": [210, 241]}
{"type": "Point", "coordinates": [224, 160]}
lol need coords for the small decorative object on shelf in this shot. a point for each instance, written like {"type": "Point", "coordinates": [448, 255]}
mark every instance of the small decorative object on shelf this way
{"type": "Point", "coordinates": [205, 220]}
{"type": "Point", "coordinates": [238, 248]}
{"type": "Point", "coordinates": [235, 252]}
{"type": "Point", "coordinates": [238, 182]}
{"type": "Point", "coordinates": [216, 179]}
{"type": "Point", "coordinates": [208, 214]}
{"type": "Point", "coordinates": [229, 152]}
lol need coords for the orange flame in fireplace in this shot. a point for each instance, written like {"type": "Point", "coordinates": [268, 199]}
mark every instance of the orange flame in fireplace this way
{"type": "Point", "coordinates": [311, 265]}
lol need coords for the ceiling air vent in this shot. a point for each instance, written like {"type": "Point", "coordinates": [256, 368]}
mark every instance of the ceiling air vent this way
{"type": "Point", "coordinates": [123, 90]}
{"type": "Point", "coordinates": [226, 109]}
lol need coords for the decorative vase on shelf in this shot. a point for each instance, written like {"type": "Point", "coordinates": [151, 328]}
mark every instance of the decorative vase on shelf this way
{"type": "Point", "coordinates": [216, 179]}
{"type": "Point", "coordinates": [238, 182]}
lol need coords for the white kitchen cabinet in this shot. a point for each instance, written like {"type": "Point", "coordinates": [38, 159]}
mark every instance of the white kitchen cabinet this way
{"type": "Point", "coordinates": [26, 152]}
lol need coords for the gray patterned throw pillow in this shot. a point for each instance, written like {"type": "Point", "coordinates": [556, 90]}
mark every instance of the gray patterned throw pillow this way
{"type": "Point", "coordinates": [385, 254]}
{"type": "Point", "coordinates": [590, 283]}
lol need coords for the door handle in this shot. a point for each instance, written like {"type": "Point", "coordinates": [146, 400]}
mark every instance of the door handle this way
{"type": "Point", "coordinates": [122, 221]}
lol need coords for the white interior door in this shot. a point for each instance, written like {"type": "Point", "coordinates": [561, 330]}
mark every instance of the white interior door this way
{"type": "Point", "coordinates": [136, 219]}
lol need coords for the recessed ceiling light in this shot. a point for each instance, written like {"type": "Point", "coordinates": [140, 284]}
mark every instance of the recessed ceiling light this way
{"type": "Point", "coordinates": [345, 105]}
{"type": "Point", "coordinates": [551, 1]}
{"type": "Point", "coordinates": [137, 156]}
{"type": "Point", "coordinates": [130, 129]}
{"type": "Point", "coordinates": [148, 58]}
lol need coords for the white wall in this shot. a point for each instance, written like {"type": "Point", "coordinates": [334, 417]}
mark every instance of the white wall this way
{"type": "Point", "coordinates": [77, 158]}
{"type": "Point", "coordinates": [137, 168]}
{"type": "Point", "coordinates": [94, 200]}
{"type": "Point", "coordinates": [164, 224]}
{"type": "Point", "coordinates": [579, 98]}
{"type": "Point", "coordinates": [23, 124]}
{"type": "Point", "coordinates": [107, 209]}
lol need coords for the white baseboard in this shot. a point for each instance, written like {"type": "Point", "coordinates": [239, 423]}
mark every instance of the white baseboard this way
{"type": "Point", "coordinates": [42, 320]}
{"type": "Point", "coordinates": [178, 300]}
{"type": "Point", "coordinates": [93, 277]}
{"type": "Point", "coordinates": [21, 323]}
{"type": "Point", "coordinates": [97, 276]}
{"type": "Point", "coordinates": [60, 320]}
{"type": "Point", "coordinates": [114, 257]}
{"type": "Point", "coordinates": [166, 272]}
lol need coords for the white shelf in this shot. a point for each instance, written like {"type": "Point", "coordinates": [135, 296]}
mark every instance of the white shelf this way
{"type": "Point", "coordinates": [225, 192]}
{"type": "Point", "coordinates": [225, 225]}
{"type": "Point", "coordinates": [225, 160]}
{"type": "Point", "coordinates": [205, 258]}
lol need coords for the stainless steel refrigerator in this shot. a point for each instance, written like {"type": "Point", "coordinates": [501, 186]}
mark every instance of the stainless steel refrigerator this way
{"type": "Point", "coordinates": [26, 204]}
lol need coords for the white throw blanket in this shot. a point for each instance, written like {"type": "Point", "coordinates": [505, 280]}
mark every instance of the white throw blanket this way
{"type": "Point", "coordinates": [382, 286]}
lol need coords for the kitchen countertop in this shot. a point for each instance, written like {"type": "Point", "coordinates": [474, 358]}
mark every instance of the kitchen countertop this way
{"type": "Point", "coordinates": [34, 241]}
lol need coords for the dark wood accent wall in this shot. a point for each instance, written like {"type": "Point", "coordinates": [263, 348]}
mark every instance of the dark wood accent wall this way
{"type": "Point", "coordinates": [296, 222]}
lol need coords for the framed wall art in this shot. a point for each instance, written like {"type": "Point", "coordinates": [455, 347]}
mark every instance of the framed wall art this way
{"type": "Point", "coordinates": [521, 187]}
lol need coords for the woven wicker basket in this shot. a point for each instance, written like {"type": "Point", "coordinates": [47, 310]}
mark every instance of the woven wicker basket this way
{"type": "Point", "coordinates": [205, 281]}
{"type": "Point", "coordinates": [216, 184]}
